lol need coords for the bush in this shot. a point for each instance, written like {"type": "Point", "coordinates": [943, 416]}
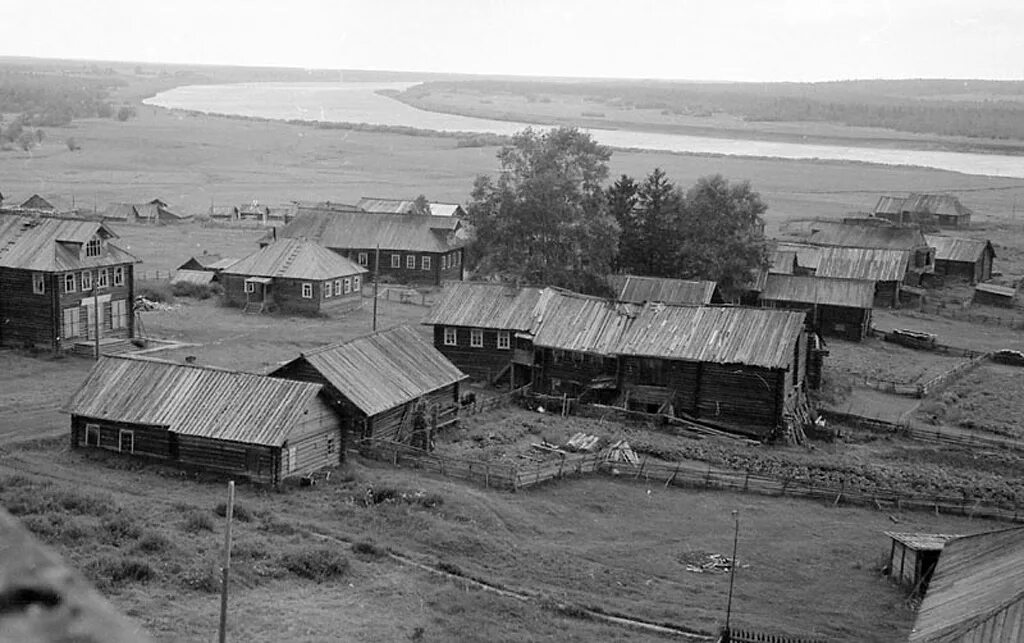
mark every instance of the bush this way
{"type": "Point", "coordinates": [195, 291]}
{"type": "Point", "coordinates": [121, 528]}
{"type": "Point", "coordinates": [109, 570]}
{"type": "Point", "coordinates": [369, 549]}
{"type": "Point", "coordinates": [125, 112]}
{"type": "Point", "coordinates": [83, 504]}
{"type": "Point", "coordinates": [239, 512]}
{"type": "Point", "coordinates": [319, 563]}
{"type": "Point", "coordinates": [72, 144]}
{"type": "Point", "coordinates": [153, 543]}
{"type": "Point", "coordinates": [55, 528]}
{"type": "Point", "coordinates": [197, 521]}
{"type": "Point", "coordinates": [160, 291]}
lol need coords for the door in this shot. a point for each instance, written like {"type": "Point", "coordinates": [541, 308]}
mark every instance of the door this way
{"type": "Point", "coordinates": [90, 321]}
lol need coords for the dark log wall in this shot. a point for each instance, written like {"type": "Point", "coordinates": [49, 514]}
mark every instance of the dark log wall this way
{"type": "Point", "coordinates": [980, 270]}
{"type": "Point", "coordinates": [433, 276]}
{"type": "Point", "coordinates": [286, 295]}
{"type": "Point", "coordinates": [257, 463]}
{"type": "Point", "coordinates": [396, 423]}
{"type": "Point", "coordinates": [75, 300]}
{"type": "Point", "coordinates": [558, 372]}
{"type": "Point", "coordinates": [887, 294]}
{"type": "Point", "coordinates": [480, 363]}
{"type": "Point", "coordinates": [680, 381]}
{"type": "Point", "coordinates": [153, 442]}
{"type": "Point", "coordinates": [842, 321]}
{"type": "Point", "coordinates": [234, 289]}
{"type": "Point", "coordinates": [349, 418]}
{"type": "Point", "coordinates": [746, 397]}
{"type": "Point", "coordinates": [26, 317]}
{"type": "Point", "coordinates": [314, 442]}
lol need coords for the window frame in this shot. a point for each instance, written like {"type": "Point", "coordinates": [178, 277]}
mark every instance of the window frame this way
{"type": "Point", "coordinates": [357, 284]}
{"type": "Point", "coordinates": [364, 259]}
{"type": "Point", "coordinates": [121, 434]}
{"type": "Point", "coordinates": [94, 247]}
{"type": "Point", "coordinates": [69, 278]}
{"type": "Point", "coordinates": [410, 262]}
{"type": "Point", "coordinates": [118, 317]}
{"type": "Point", "coordinates": [337, 288]}
{"type": "Point", "coordinates": [396, 260]}
{"type": "Point", "coordinates": [91, 428]}
{"type": "Point", "coordinates": [504, 340]}
{"type": "Point", "coordinates": [249, 286]}
{"type": "Point", "coordinates": [328, 289]}
{"type": "Point", "coordinates": [451, 336]}
{"type": "Point", "coordinates": [102, 278]}
{"type": "Point", "coordinates": [476, 338]}
{"type": "Point", "coordinates": [348, 285]}
{"type": "Point", "coordinates": [119, 276]}
{"type": "Point", "coordinates": [39, 283]}
{"type": "Point", "coordinates": [307, 290]}
{"type": "Point", "coordinates": [425, 262]}
{"type": "Point", "coordinates": [85, 279]}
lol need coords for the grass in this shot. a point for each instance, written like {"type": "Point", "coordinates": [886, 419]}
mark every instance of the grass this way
{"type": "Point", "coordinates": [317, 563]}
{"type": "Point", "coordinates": [989, 399]}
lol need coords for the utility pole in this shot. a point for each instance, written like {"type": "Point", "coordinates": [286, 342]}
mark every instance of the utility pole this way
{"type": "Point", "coordinates": [96, 316]}
{"type": "Point", "coordinates": [732, 577]}
{"type": "Point", "coordinates": [376, 276]}
{"type": "Point", "coordinates": [226, 570]}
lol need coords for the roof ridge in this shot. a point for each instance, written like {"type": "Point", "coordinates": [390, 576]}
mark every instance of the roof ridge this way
{"type": "Point", "coordinates": [202, 367]}
{"type": "Point", "coordinates": [346, 342]}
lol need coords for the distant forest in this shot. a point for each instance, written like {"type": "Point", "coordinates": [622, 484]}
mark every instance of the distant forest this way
{"type": "Point", "coordinates": [50, 99]}
{"type": "Point", "coordinates": [974, 108]}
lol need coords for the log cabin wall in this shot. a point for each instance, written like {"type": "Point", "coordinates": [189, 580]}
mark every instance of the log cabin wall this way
{"type": "Point", "coordinates": [255, 462]}
{"type": "Point", "coordinates": [395, 423]}
{"type": "Point", "coordinates": [315, 441]}
{"type": "Point", "coordinates": [147, 441]}
{"type": "Point", "coordinates": [483, 362]}
{"type": "Point", "coordinates": [435, 273]}
{"type": "Point", "coordinates": [27, 318]}
{"type": "Point", "coordinates": [349, 418]}
{"type": "Point", "coordinates": [560, 372]}
{"type": "Point", "coordinates": [887, 294]}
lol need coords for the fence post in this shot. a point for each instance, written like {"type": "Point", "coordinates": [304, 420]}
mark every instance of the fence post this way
{"type": "Point", "coordinates": [672, 478]}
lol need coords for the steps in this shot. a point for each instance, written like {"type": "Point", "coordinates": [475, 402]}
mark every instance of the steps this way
{"type": "Point", "coordinates": [253, 308]}
{"type": "Point", "coordinates": [110, 346]}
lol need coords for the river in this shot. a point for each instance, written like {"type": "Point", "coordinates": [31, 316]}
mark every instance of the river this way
{"type": "Point", "coordinates": [359, 103]}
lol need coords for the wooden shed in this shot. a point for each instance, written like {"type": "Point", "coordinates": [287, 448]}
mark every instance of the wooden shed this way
{"type": "Point", "coordinates": [743, 367]}
{"type": "Point", "coordinates": [487, 330]}
{"type": "Point", "coordinates": [266, 429]}
{"type": "Point", "coordinates": [887, 269]}
{"type": "Point", "coordinates": [967, 259]}
{"type": "Point", "coordinates": [976, 594]}
{"type": "Point", "coordinates": [913, 557]}
{"type": "Point", "coordinates": [996, 295]}
{"type": "Point", "coordinates": [920, 255]}
{"type": "Point", "coordinates": [293, 276]}
{"type": "Point", "coordinates": [933, 210]}
{"type": "Point", "coordinates": [836, 307]}
{"type": "Point", "coordinates": [384, 385]}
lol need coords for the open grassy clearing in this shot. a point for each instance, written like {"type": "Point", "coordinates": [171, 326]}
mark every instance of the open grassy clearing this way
{"type": "Point", "coordinates": [989, 399]}
{"type": "Point", "coordinates": [952, 332]}
{"type": "Point", "coordinates": [875, 359]}
{"type": "Point", "coordinates": [164, 248]}
{"type": "Point", "coordinates": [616, 545]}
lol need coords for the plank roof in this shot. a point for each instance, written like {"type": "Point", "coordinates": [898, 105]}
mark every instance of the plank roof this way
{"type": "Point", "coordinates": [825, 291]}
{"type": "Point", "coordinates": [386, 369]}
{"type": "Point", "coordinates": [485, 305]}
{"type": "Point", "coordinates": [717, 334]}
{"type": "Point", "coordinates": [921, 203]}
{"type": "Point", "coordinates": [386, 206]}
{"type": "Point", "coordinates": [919, 541]}
{"type": "Point", "coordinates": [958, 248]}
{"type": "Point", "coordinates": [121, 212]}
{"type": "Point", "coordinates": [193, 400]}
{"type": "Point", "coordinates": [52, 244]}
{"type": "Point", "coordinates": [204, 260]}
{"type": "Point", "coordinates": [851, 235]}
{"type": "Point", "coordinates": [295, 259]}
{"type": "Point", "coordinates": [638, 290]}
{"type": "Point", "coordinates": [782, 262]}
{"type": "Point", "coordinates": [581, 323]}
{"type": "Point", "coordinates": [873, 264]}
{"type": "Point", "coordinates": [807, 256]}
{"type": "Point", "coordinates": [997, 289]}
{"type": "Point", "coordinates": [446, 210]}
{"type": "Point", "coordinates": [976, 593]}
{"type": "Point", "coordinates": [199, 277]}
{"type": "Point", "coordinates": [36, 202]}
{"type": "Point", "coordinates": [355, 229]}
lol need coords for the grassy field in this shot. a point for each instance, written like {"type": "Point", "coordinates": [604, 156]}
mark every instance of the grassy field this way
{"type": "Point", "coordinates": [990, 399]}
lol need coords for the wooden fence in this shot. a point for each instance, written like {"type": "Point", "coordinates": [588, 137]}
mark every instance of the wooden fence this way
{"type": "Point", "coordinates": [912, 431]}
{"type": "Point", "coordinates": [733, 635]}
{"type": "Point", "coordinates": [153, 275]}
{"type": "Point", "coordinates": [490, 403]}
{"type": "Point", "coordinates": [955, 312]}
{"type": "Point", "coordinates": [927, 388]}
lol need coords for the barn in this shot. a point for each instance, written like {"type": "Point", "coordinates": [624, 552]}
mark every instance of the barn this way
{"type": "Point", "coordinates": [932, 210]}
{"type": "Point", "coordinates": [741, 367]}
{"type": "Point", "coordinates": [486, 329]}
{"type": "Point", "coordinates": [392, 385]}
{"type": "Point", "coordinates": [920, 255]}
{"type": "Point", "coordinates": [836, 307]}
{"type": "Point", "coordinates": [884, 268]}
{"type": "Point", "coordinates": [293, 276]}
{"type": "Point", "coordinates": [996, 295]}
{"type": "Point", "coordinates": [240, 424]}
{"type": "Point", "coordinates": [976, 594]}
{"type": "Point", "coordinates": [967, 259]}
{"type": "Point", "coordinates": [640, 290]}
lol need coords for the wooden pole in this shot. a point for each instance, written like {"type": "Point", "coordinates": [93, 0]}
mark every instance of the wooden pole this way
{"type": "Point", "coordinates": [226, 570]}
{"type": "Point", "coordinates": [96, 317]}
{"type": "Point", "coordinates": [376, 278]}
{"type": "Point", "coordinates": [732, 570]}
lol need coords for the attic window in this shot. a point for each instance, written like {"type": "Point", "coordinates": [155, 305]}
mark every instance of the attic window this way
{"type": "Point", "coordinates": [94, 247]}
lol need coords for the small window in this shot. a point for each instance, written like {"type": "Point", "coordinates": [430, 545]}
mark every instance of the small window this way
{"type": "Point", "coordinates": [348, 285]}
{"type": "Point", "coordinates": [476, 338]}
{"type": "Point", "coordinates": [330, 446]}
{"type": "Point", "coordinates": [126, 441]}
{"type": "Point", "coordinates": [410, 262]}
{"type": "Point", "coordinates": [39, 283]}
{"type": "Point", "coordinates": [363, 259]}
{"type": "Point", "coordinates": [94, 247]}
{"type": "Point", "coordinates": [119, 276]}
{"type": "Point", "coordinates": [102, 278]}
{"type": "Point", "coordinates": [444, 262]}
{"type": "Point", "coordinates": [92, 435]}
{"type": "Point", "coordinates": [328, 290]}
{"type": "Point", "coordinates": [250, 286]}
{"type": "Point", "coordinates": [307, 291]}
{"type": "Point", "coordinates": [86, 280]}
{"type": "Point", "coordinates": [396, 261]}
{"type": "Point", "coordinates": [337, 287]}
{"type": "Point", "coordinates": [504, 341]}
{"type": "Point", "coordinates": [357, 284]}
{"type": "Point", "coordinates": [451, 337]}
{"type": "Point", "coordinates": [69, 282]}
{"type": "Point", "coordinates": [425, 263]}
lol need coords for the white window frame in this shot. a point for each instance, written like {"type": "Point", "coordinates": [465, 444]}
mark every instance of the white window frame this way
{"type": "Point", "coordinates": [451, 336]}
{"type": "Point", "coordinates": [250, 286]}
{"type": "Point", "coordinates": [364, 259]}
{"type": "Point", "coordinates": [102, 278]}
{"type": "Point", "coordinates": [118, 275]}
{"type": "Point", "coordinates": [86, 279]}
{"type": "Point", "coordinates": [328, 290]}
{"type": "Point", "coordinates": [92, 429]}
{"type": "Point", "coordinates": [357, 284]}
{"type": "Point", "coordinates": [118, 313]}
{"type": "Point", "coordinates": [425, 262]}
{"type": "Point", "coordinates": [476, 338]}
{"type": "Point", "coordinates": [71, 322]}
{"type": "Point", "coordinates": [94, 247]}
{"type": "Point", "coordinates": [307, 290]}
{"type": "Point", "coordinates": [396, 260]}
{"type": "Point", "coordinates": [39, 283]}
{"type": "Point", "coordinates": [69, 282]}
{"type": "Point", "coordinates": [121, 433]}
{"type": "Point", "coordinates": [337, 287]}
{"type": "Point", "coordinates": [348, 285]}
{"type": "Point", "coordinates": [410, 262]}
{"type": "Point", "coordinates": [504, 340]}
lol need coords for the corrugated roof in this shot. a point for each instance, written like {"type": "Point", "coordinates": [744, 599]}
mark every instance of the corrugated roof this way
{"type": "Point", "coordinates": [483, 305]}
{"type": "Point", "coordinates": [958, 248]}
{"type": "Point", "coordinates": [192, 400]}
{"type": "Point", "coordinates": [721, 335]}
{"type": "Point", "coordinates": [850, 235]}
{"type": "Point", "coordinates": [638, 290]}
{"type": "Point", "coordinates": [853, 293]}
{"type": "Point", "coordinates": [354, 229]}
{"type": "Point", "coordinates": [295, 259]}
{"type": "Point", "coordinates": [581, 323]}
{"type": "Point", "coordinates": [193, 276]}
{"type": "Point", "coordinates": [50, 244]}
{"type": "Point", "coordinates": [386, 369]}
{"type": "Point", "coordinates": [977, 591]}
{"type": "Point", "coordinates": [922, 541]}
{"type": "Point", "coordinates": [872, 264]}
{"type": "Point", "coordinates": [807, 256]}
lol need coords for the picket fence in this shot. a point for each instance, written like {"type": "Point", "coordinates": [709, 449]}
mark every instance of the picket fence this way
{"type": "Point", "coordinates": [925, 389]}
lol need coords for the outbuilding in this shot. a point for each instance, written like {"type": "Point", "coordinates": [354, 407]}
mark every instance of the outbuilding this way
{"type": "Point", "coordinates": [886, 269]}
{"type": "Point", "coordinates": [266, 429]}
{"type": "Point", "coordinates": [836, 307]}
{"type": "Point", "coordinates": [913, 557]}
{"type": "Point", "coordinates": [967, 259]}
{"type": "Point", "coordinates": [996, 295]}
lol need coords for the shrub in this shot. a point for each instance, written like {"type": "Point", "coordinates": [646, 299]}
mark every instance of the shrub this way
{"type": "Point", "coordinates": [239, 512]}
{"type": "Point", "coordinates": [429, 500]}
{"type": "Point", "coordinates": [155, 291]}
{"type": "Point", "coordinates": [204, 579]}
{"type": "Point", "coordinates": [318, 563]}
{"type": "Point", "coordinates": [55, 528]}
{"type": "Point", "coordinates": [196, 521]}
{"type": "Point", "coordinates": [369, 549]}
{"type": "Point", "coordinates": [125, 112]}
{"type": "Point", "coordinates": [83, 504]}
{"type": "Point", "coordinates": [121, 528]}
{"type": "Point", "coordinates": [195, 291]}
{"type": "Point", "coordinates": [111, 570]}
{"type": "Point", "coordinates": [72, 144]}
{"type": "Point", "coordinates": [153, 543]}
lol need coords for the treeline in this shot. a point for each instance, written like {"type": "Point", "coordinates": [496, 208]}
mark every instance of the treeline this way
{"type": "Point", "coordinates": [978, 109]}
{"type": "Point", "coordinates": [54, 100]}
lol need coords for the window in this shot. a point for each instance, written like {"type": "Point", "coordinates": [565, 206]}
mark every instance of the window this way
{"type": "Point", "coordinates": [250, 286]}
{"type": "Point", "coordinates": [476, 338]}
{"type": "Point", "coordinates": [86, 280]}
{"type": "Point", "coordinates": [69, 282]}
{"type": "Point", "coordinates": [337, 287]}
{"type": "Point", "coordinates": [327, 290]}
{"type": "Point", "coordinates": [458, 258]}
{"type": "Point", "coordinates": [126, 441]}
{"type": "Point", "coordinates": [357, 284]}
{"type": "Point", "coordinates": [410, 262]}
{"type": "Point", "coordinates": [119, 276]}
{"type": "Point", "coordinates": [348, 285]}
{"type": "Point", "coordinates": [307, 291]}
{"type": "Point", "coordinates": [102, 278]}
{"type": "Point", "coordinates": [330, 446]}
{"type": "Point", "coordinates": [504, 341]}
{"type": "Point", "coordinates": [119, 314]}
{"type": "Point", "coordinates": [396, 261]}
{"type": "Point", "coordinates": [425, 263]}
{"type": "Point", "coordinates": [94, 247]}
{"type": "Point", "coordinates": [451, 337]}
{"type": "Point", "coordinates": [72, 319]}
{"type": "Point", "coordinates": [92, 435]}
{"type": "Point", "coordinates": [39, 283]}
{"type": "Point", "coordinates": [363, 259]}
{"type": "Point", "coordinates": [444, 262]}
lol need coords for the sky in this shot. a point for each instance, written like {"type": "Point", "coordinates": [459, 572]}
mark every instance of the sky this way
{"type": "Point", "coordinates": [740, 40]}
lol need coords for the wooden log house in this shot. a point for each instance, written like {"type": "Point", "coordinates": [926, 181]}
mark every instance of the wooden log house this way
{"type": "Point", "coordinates": [62, 281]}
{"type": "Point", "coordinates": [835, 307]}
{"type": "Point", "coordinates": [383, 384]}
{"type": "Point", "coordinates": [196, 417]}
{"type": "Point", "coordinates": [959, 258]}
{"type": "Point", "coordinates": [930, 210]}
{"type": "Point", "coordinates": [920, 255]}
{"type": "Point", "coordinates": [886, 269]}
